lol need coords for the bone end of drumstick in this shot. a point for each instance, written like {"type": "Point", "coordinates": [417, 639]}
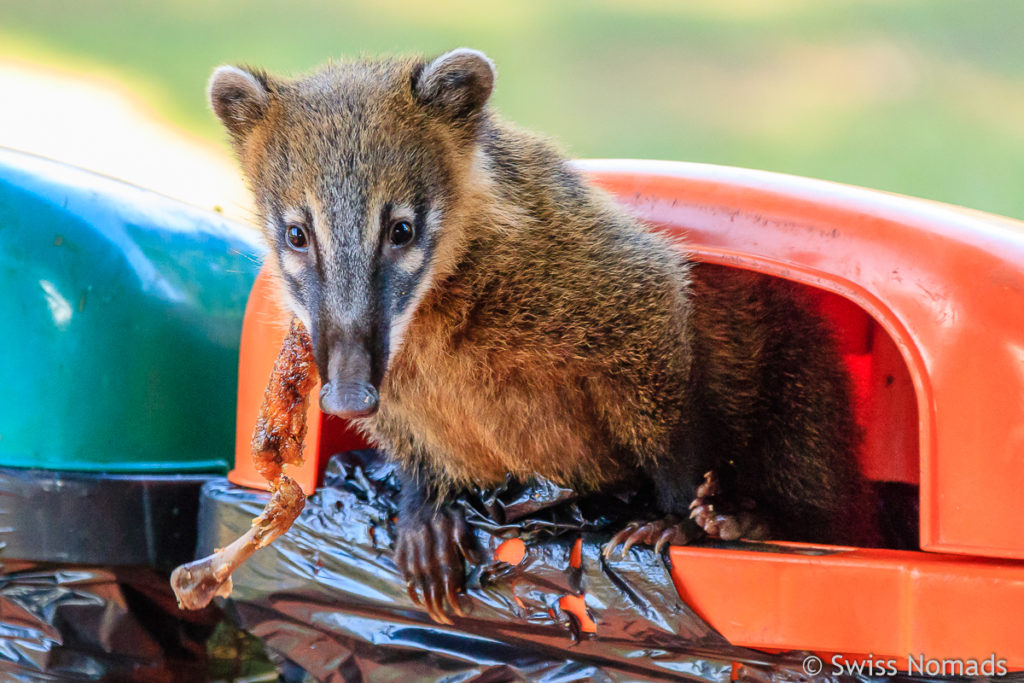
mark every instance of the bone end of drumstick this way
{"type": "Point", "coordinates": [195, 584]}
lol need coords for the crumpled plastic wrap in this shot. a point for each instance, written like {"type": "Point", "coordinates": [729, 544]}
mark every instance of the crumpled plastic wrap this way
{"type": "Point", "coordinates": [328, 603]}
{"type": "Point", "coordinates": [76, 622]}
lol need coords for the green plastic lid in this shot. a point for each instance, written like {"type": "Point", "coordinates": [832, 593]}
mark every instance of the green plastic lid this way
{"type": "Point", "coordinates": [120, 317]}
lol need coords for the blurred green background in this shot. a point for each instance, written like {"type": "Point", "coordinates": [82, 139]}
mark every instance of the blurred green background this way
{"type": "Point", "coordinates": [920, 97]}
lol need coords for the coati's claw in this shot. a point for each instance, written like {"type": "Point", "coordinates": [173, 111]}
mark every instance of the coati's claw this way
{"type": "Point", "coordinates": [431, 553]}
{"type": "Point", "coordinates": [618, 538]}
{"type": "Point", "coordinates": [658, 533]}
{"type": "Point", "coordinates": [708, 488]}
{"type": "Point", "coordinates": [640, 534]}
{"type": "Point", "coordinates": [666, 537]}
{"type": "Point", "coordinates": [724, 519]}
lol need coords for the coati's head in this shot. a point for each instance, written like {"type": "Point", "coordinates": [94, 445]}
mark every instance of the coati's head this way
{"type": "Point", "coordinates": [356, 170]}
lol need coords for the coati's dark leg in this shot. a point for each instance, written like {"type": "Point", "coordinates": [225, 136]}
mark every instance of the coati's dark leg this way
{"type": "Point", "coordinates": [691, 510]}
{"type": "Point", "coordinates": [433, 544]}
{"type": "Point", "coordinates": [674, 479]}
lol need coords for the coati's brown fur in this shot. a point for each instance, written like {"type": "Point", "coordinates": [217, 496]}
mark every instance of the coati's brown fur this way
{"type": "Point", "coordinates": [534, 327]}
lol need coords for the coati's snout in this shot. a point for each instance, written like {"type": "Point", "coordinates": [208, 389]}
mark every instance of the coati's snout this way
{"type": "Point", "coordinates": [346, 387]}
{"type": "Point", "coordinates": [348, 399]}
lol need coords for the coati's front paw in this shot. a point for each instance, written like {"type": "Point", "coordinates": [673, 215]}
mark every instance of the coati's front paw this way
{"type": "Point", "coordinates": [671, 530]}
{"type": "Point", "coordinates": [723, 518]}
{"type": "Point", "coordinates": [431, 550]}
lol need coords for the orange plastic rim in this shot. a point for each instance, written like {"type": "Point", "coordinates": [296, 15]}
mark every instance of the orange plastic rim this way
{"type": "Point", "coordinates": [944, 291]}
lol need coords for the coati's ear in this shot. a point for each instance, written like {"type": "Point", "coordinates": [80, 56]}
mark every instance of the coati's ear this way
{"type": "Point", "coordinates": [457, 83]}
{"type": "Point", "coordinates": [239, 98]}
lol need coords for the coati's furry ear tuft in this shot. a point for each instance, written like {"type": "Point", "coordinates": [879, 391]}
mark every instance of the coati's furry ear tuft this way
{"type": "Point", "coordinates": [457, 83]}
{"type": "Point", "coordinates": [239, 97]}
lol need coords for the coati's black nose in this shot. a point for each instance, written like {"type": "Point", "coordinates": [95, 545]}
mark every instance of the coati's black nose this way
{"type": "Point", "coordinates": [348, 399]}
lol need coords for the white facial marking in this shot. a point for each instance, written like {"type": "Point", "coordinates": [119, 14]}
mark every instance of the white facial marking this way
{"type": "Point", "coordinates": [321, 227]}
{"type": "Point", "coordinates": [291, 262]}
{"type": "Point", "coordinates": [400, 323]}
{"type": "Point", "coordinates": [297, 310]}
{"type": "Point", "coordinates": [293, 216]}
{"type": "Point", "coordinates": [412, 259]}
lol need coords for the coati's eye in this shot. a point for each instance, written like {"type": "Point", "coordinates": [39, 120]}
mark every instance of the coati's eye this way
{"type": "Point", "coordinates": [296, 236]}
{"type": "Point", "coordinates": [401, 233]}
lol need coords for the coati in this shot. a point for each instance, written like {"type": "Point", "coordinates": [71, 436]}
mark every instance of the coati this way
{"type": "Point", "coordinates": [478, 309]}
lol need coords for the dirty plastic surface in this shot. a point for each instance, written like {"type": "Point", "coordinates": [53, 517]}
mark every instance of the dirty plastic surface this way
{"type": "Point", "coordinates": [326, 598]}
